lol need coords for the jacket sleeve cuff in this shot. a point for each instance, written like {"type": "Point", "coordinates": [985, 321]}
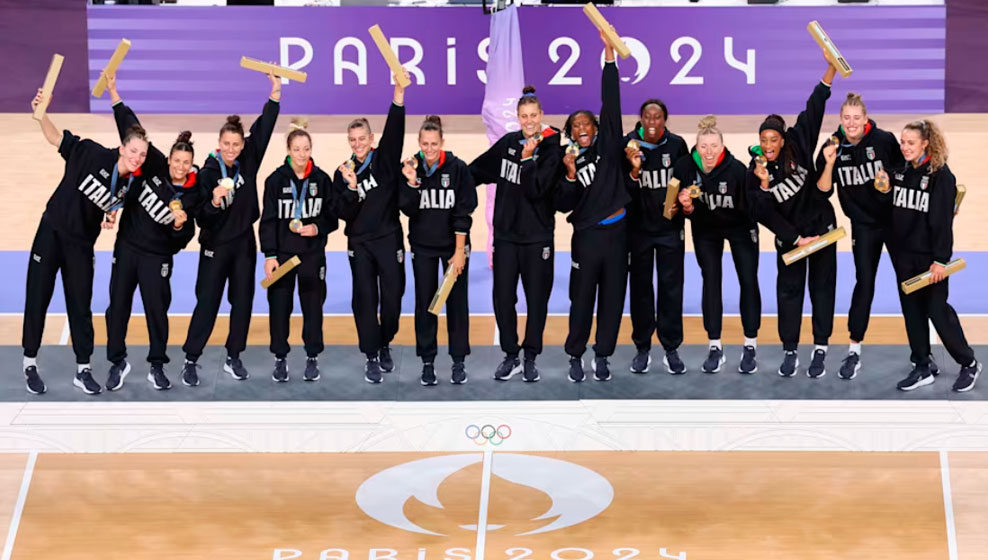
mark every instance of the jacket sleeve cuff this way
{"type": "Point", "coordinates": [270, 256]}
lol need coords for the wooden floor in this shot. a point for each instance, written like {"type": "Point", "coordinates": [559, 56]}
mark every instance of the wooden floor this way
{"type": "Point", "coordinates": [25, 187]}
{"type": "Point", "coordinates": [737, 505]}
{"type": "Point", "coordinates": [341, 331]}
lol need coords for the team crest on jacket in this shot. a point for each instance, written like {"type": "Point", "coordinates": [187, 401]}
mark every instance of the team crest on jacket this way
{"type": "Point", "coordinates": [545, 253]}
{"type": "Point", "coordinates": [722, 187]}
{"type": "Point", "coordinates": [666, 160]}
{"type": "Point", "coordinates": [870, 152]}
{"type": "Point", "coordinates": [444, 180]}
{"type": "Point", "coordinates": [164, 270]}
{"type": "Point", "coordinates": [313, 189]}
{"type": "Point", "coordinates": [924, 182]}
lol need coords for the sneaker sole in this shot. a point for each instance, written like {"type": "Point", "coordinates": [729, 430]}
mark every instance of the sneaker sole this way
{"type": "Point", "coordinates": [156, 386]}
{"type": "Point", "coordinates": [123, 376]}
{"type": "Point", "coordinates": [642, 371]}
{"type": "Point", "coordinates": [278, 380]}
{"type": "Point", "coordinates": [311, 379]}
{"type": "Point", "coordinates": [857, 367]}
{"type": "Point", "coordinates": [720, 365]}
{"type": "Point", "coordinates": [371, 381]}
{"type": "Point", "coordinates": [428, 383]}
{"type": "Point", "coordinates": [81, 385]}
{"type": "Point", "coordinates": [822, 373]}
{"type": "Point", "coordinates": [458, 382]}
{"type": "Point", "coordinates": [921, 383]}
{"type": "Point", "coordinates": [537, 377]}
{"type": "Point", "coordinates": [33, 392]}
{"type": "Point", "coordinates": [187, 384]}
{"type": "Point", "coordinates": [229, 370]}
{"type": "Point", "coordinates": [514, 371]}
{"type": "Point", "coordinates": [794, 369]}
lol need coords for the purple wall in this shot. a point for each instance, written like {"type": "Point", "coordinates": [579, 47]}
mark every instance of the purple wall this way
{"type": "Point", "coordinates": [967, 65]}
{"type": "Point", "coordinates": [30, 32]}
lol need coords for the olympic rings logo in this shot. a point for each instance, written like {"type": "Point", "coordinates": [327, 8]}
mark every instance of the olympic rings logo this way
{"type": "Point", "coordinates": [482, 435]}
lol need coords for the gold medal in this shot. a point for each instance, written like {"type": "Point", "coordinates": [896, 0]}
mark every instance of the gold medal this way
{"type": "Point", "coordinates": [538, 137]}
{"type": "Point", "coordinates": [882, 181]}
{"type": "Point", "coordinates": [295, 225]}
{"type": "Point", "coordinates": [175, 205]}
{"type": "Point", "coordinates": [835, 141]}
{"type": "Point", "coordinates": [634, 144]}
{"type": "Point", "coordinates": [227, 183]}
{"type": "Point", "coordinates": [350, 165]}
{"type": "Point", "coordinates": [761, 160]}
{"type": "Point", "coordinates": [572, 149]}
{"type": "Point", "coordinates": [694, 191]}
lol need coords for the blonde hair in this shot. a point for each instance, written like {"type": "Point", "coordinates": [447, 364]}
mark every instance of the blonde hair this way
{"type": "Point", "coordinates": [298, 128]}
{"type": "Point", "coordinates": [937, 150]}
{"type": "Point", "coordinates": [708, 125]}
{"type": "Point", "coordinates": [854, 100]}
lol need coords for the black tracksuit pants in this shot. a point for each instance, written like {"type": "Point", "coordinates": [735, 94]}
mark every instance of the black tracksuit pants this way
{"type": "Point", "coordinates": [656, 312]}
{"type": "Point", "coordinates": [51, 253]}
{"type": "Point", "coordinates": [311, 278]}
{"type": "Point", "coordinates": [709, 248]}
{"type": "Point", "coordinates": [152, 273]}
{"type": "Point", "coordinates": [791, 283]}
{"type": "Point", "coordinates": [428, 269]}
{"type": "Point", "coordinates": [378, 270]}
{"type": "Point", "coordinates": [232, 262]}
{"type": "Point", "coordinates": [533, 264]}
{"type": "Point", "coordinates": [599, 273]}
{"type": "Point", "coordinates": [927, 305]}
{"type": "Point", "coordinates": [866, 245]}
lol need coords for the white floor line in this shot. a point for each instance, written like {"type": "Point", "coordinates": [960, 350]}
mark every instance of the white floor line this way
{"type": "Point", "coordinates": [15, 519]}
{"type": "Point", "coordinates": [485, 493]}
{"type": "Point", "coordinates": [63, 339]}
{"type": "Point", "coordinates": [948, 506]}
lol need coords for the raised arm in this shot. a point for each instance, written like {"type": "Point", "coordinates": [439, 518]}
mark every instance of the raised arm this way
{"type": "Point", "coordinates": [52, 135]}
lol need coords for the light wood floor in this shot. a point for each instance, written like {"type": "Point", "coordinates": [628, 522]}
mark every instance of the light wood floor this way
{"type": "Point", "coordinates": [32, 168]}
{"type": "Point", "coordinates": [738, 505]}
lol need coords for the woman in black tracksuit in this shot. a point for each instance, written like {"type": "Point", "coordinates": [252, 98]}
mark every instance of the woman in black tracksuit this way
{"type": "Point", "coordinates": [94, 184]}
{"type": "Point", "coordinates": [154, 227]}
{"type": "Point", "coordinates": [228, 249]}
{"type": "Point", "coordinates": [524, 166]}
{"type": "Point", "coordinates": [722, 212]}
{"type": "Point", "coordinates": [864, 151]}
{"type": "Point", "coordinates": [923, 193]}
{"type": "Point", "coordinates": [296, 220]}
{"type": "Point", "coordinates": [438, 196]}
{"type": "Point", "coordinates": [593, 191]}
{"type": "Point", "coordinates": [655, 245]}
{"type": "Point", "coordinates": [365, 193]}
{"type": "Point", "coordinates": [790, 204]}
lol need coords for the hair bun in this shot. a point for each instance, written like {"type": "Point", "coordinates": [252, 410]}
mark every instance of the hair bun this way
{"type": "Point", "coordinates": [184, 137]}
{"type": "Point", "coordinates": [774, 117]}
{"type": "Point", "coordinates": [434, 119]}
{"type": "Point", "coordinates": [233, 120]}
{"type": "Point", "coordinates": [706, 122]}
{"type": "Point", "coordinates": [528, 90]}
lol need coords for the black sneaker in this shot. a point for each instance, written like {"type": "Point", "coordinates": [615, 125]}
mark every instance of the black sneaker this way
{"type": "Point", "coordinates": [789, 364]}
{"type": "Point", "coordinates": [531, 374]}
{"type": "Point", "coordinates": [190, 377]}
{"type": "Point", "coordinates": [372, 372]}
{"type": "Point", "coordinates": [236, 369]}
{"type": "Point", "coordinates": [428, 375]}
{"type": "Point", "coordinates": [459, 376]}
{"type": "Point", "coordinates": [35, 385]}
{"type": "Point", "coordinates": [918, 377]}
{"type": "Point", "coordinates": [715, 359]}
{"type": "Point", "coordinates": [157, 378]}
{"type": "Point", "coordinates": [510, 367]}
{"type": "Point", "coordinates": [280, 373]}
{"type": "Point", "coordinates": [674, 364]}
{"type": "Point", "coordinates": [118, 372]}
{"type": "Point", "coordinates": [600, 370]}
{"type": "Point", "coordinates": [576, 373]}
{"type": "Point", "coordinates": [385, 359]}
{"type": "Point", "coordinates": [311, 369]}
{"type": "Point", "coordinates": [967, 378]}
{"type": "Point", "coordinates": [84, 380]}
{"type": "Point", "coordinates": [817, 367]}
{"type": "Point", "coordinates": [850, 366]}
{"type": "Point", "coordinates": [748, 363]}
{"type": "Point", "coordinates": [641, 362]}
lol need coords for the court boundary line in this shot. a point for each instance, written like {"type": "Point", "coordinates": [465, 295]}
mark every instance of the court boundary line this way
{"type": "Point", "coordinates": [948, 505]}
{"type": "Point", "coordinates": [15, 519]}
{"type": "Point", "coordinates": [485, 494]}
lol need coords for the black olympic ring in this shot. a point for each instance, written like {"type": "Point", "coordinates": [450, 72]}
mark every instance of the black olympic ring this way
{"type": "Point", "coordinates": [482, 435]}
